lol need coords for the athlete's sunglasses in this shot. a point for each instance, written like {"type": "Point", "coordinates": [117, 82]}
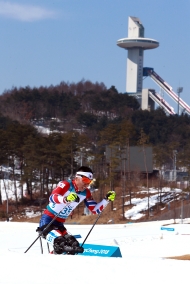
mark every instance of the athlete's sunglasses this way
{"type": "Point", "coordinates": [86, 180]}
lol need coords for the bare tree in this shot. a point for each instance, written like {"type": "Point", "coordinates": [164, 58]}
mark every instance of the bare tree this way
{"type": "Point", "coordinates": [143, 142]}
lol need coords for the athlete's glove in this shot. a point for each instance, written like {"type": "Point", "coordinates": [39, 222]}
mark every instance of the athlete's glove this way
{"type": "Point", "coordinates": [110, 195]}
{"type": "Point", "coordinates": [72, 197]}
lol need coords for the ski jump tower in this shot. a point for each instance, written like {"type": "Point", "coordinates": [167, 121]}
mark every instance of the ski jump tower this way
{"type": "Point", "coordinates": [136, 43]}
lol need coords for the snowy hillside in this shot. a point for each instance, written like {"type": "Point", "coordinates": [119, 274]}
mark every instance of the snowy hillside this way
{"type": "Point", "coordinates": [134, 213]}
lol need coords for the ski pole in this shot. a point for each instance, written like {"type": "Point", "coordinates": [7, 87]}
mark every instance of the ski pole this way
{"type": "Point", "coordinates": [93, 226]}
{"type": "Point", "coordinates": [44, 230]}
{"type": "Point", "coordinates": [41, 245]}
{"type": "Point", "coordinates": [91, 229]}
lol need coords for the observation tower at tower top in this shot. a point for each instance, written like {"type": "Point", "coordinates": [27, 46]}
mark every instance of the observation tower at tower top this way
{"type": "Point", "coordinates": [135, 43]}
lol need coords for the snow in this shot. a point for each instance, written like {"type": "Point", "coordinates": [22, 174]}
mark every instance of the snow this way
{"type": "Point", "coordinates": [143, 246]}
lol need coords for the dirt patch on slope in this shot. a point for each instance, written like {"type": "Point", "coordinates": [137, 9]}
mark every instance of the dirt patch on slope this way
{"type": "Point", "coordinates": [181, 257]}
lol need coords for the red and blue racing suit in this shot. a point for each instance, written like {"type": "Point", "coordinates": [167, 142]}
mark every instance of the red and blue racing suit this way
{"type": "Point", "coordinates": [57, 204]}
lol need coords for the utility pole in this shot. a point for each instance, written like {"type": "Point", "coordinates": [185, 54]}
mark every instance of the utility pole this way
{"type": "Point", "coordinates": [179, 90]}
{"type": "Point", "coordinates": [124, 186]}
{"type": "Point", "coordinates": [174, 165]}
{"type": "Point", "coordinates": [182, 210]}
{"type": "Point", "coordinates": [72, 155]}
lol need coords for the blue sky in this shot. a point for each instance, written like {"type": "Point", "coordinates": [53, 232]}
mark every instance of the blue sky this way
{"type": "Point", "coordinates": [45, 42]}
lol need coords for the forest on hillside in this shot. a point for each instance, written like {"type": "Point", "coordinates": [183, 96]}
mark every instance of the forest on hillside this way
{"type": "Point", "coordinates": [84, 118]}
